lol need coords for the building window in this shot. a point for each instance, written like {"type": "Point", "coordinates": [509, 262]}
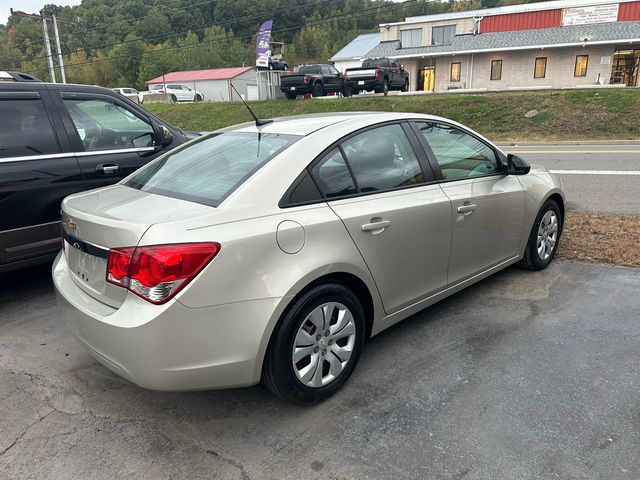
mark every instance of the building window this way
{"type": "Point", "coordinates": [455, 72]}
{"type": "Point", "coordinates": [540, 69]}
{"type": "Point", "coordinates": [443, 35]}
{"type": "Point", "coordinates": [581, 66]}
{"type": "Point", "coordinates": [496, 69]}
{"type": "Point", "coordinates": [411, 37]}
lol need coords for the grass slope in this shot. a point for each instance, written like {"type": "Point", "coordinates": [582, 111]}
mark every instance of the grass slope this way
{"type": "Point", "coordinates": [562, 115]}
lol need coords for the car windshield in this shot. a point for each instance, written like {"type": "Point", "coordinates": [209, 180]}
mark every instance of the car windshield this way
{"type": "Point", "coordinates": [209, 169]}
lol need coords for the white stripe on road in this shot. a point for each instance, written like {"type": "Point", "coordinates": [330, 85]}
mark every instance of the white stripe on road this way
{"type": "Point", "coordinates": [596, 172]}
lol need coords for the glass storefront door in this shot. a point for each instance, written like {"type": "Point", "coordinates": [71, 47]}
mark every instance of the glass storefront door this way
{"type": "Point", "coordinates": [624, 70]}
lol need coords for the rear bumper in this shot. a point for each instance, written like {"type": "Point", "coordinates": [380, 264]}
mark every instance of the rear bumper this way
{"type": "Point", "coordinates": [367, 84]}
{"type": "Point", "coordinates": [297, 89]}
{"type": "Point", "coordinates": [171, 346]}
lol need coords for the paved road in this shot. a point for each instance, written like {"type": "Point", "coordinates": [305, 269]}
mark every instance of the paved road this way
{"type": "Point", "coordinates": [597, 178]}
{"type": "Point", "coordinates": [525, 375]}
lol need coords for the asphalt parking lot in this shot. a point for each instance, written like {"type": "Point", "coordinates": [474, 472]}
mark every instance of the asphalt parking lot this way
{"type": "Point", "coordinates": [523, 376]}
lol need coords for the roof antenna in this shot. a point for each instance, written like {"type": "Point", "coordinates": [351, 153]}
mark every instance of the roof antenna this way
{"type": "Point", "coordinates": [259, 123]}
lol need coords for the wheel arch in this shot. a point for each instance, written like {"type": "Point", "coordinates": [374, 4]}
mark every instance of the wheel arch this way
{"type": "Point", "coordinates": [365, 290]}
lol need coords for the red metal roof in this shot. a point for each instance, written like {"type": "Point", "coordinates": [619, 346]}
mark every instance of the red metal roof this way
{"type": "Point", "coordinates": [194, 75]}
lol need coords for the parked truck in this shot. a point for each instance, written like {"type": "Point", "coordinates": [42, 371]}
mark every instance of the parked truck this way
{"type": "Point", "coordinates": [316, 79]}
{"type": "Point", "coordinates": [376, 75]}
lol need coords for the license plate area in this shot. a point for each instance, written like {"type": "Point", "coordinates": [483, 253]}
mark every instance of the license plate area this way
{"type": "Point", "coordinates": [360, 82]}
{"type": "Point", "coordinates": [293, 89]}
{"type": "Point", "coordinates": [85, 267]}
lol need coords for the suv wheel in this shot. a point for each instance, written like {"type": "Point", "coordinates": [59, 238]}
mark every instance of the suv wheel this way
{"type": "Point", "coordinates": [405, 87]}
{"type": "Point", "coordinates": [316, 346]}
{"type": "Point", "coordinates": [385, 87]}
{"type": "Point", "coordinates": [290, 95]}
{"type": "Point", "coordinates": [173, 98]}
{"type": "Point", "coordinates": [317, 90]}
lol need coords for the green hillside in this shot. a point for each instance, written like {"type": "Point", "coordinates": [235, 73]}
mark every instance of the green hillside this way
{"type": "Point", "coordinates": [562, 115]}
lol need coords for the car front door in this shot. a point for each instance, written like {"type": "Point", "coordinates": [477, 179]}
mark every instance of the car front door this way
{"type": "Point", "coordinates": [398, 217]}
{"type": "Point", "coordinates": [37, 170]}
{"type": "Point", "coordinates": [487, 204]}
{"type": "Point", "coordinates": [110, 139]}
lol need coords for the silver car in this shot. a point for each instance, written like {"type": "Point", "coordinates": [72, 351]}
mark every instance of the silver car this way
{"type": "Point", "coordinates": [271, 253]}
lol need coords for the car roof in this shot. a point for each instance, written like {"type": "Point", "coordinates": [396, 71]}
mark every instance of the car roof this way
{"type": "Point", "coordinates": [307, 124]}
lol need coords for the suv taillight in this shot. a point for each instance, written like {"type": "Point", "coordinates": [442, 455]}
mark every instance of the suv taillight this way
{"type": "Point", "coordinates": [377, 73]}
{"type": "Point", "coordinates": [345, 76]}
{"type": "Point", "coordinates": [158, 272]}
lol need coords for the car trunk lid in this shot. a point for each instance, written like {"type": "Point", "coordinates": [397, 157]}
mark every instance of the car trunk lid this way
{"type": "Point", "coordinates": [94, 222]}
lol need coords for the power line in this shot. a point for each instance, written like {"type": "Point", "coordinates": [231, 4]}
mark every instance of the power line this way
{"type": "Point", "coordinates": [183, 32]}
{"type": "Point", "coordinates": [211, 42]}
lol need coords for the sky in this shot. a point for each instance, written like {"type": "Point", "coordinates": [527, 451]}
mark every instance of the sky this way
{"type": "Point", "coordinates": [29, 6]}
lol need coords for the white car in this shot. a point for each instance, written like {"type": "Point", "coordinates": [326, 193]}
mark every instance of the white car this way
{"type": "Point", "coordinates": [177, 92]}
{"type": "Point", "coordinates": [130, 93]}
{"type": "Point", "coordinates": [271, 252]}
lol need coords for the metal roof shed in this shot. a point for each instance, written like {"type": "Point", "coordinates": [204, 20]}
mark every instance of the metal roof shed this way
{"type": "Point", "coordinates": [214, 84]}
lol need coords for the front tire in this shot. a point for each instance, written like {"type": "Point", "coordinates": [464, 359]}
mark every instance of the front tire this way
{"type": "Point", "coordinates": [316, 346]}
{"type": "Point", "coordinates": [174, 99]}
{"type": "Point", "coordinates": [544, 237]}
{"type": "Point", "coordinates": [198, 98]}
{"type": "Point", "coordinates": [290, 95]}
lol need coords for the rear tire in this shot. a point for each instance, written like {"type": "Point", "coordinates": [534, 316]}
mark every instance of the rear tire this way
{"type": "Point", "coordinates": [543, 238]}
{"type": "Point", "coordinates": [317, 90]}
{"type": "Point", "coordinates": [385, 87]}
{"type": "Point", "coordinates": [324, 362]}
{"type": "Point", "coordinates": [290, 95]}
{"type": "Point", "coordinates": [405, 87]}
{"type": "Point", "coordinates": [174, 99]}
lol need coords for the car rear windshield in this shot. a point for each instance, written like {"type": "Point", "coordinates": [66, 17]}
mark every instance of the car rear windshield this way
{"type": "Point", "coordinates": [209, 169]}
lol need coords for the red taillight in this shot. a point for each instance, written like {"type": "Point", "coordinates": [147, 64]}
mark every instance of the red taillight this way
{"type": "Point", "coordinates": [307, 79]}
{"type": "Point", "coordinates": [377, 73]}
{"type": "Point", "coordinates": [346, 76]}
{"type": "Point", "coordinates": [156, 273]}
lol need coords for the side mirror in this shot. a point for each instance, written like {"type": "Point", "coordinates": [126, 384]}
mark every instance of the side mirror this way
{"type": "Point", "coordinates": [163, 134]}
{"type": "Point", "coordinates": [517, 165]}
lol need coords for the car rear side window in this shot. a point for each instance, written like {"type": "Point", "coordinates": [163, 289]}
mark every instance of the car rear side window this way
{"type": "Point", "coordinates": [332, 176]}
{"type": "Point", "coordinates": [25, 128]}
{"type": "Point", "coordinates": [209, 169]}
{"type": "Point", "coordinates": [382, 159]}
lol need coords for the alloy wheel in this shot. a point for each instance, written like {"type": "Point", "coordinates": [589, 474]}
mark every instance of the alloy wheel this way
{"type": "Point", "coordinates": [323, 344]}
{"type": "Point", "coordinates": [547, 235]}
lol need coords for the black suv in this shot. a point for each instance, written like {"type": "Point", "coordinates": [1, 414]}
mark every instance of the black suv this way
{"type": "Point", "coordinates": [59, 139]}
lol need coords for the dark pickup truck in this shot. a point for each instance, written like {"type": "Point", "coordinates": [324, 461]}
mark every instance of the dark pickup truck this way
{"type": "Point", "coordinates": [377, 74]}
{"type": "Point", "coordinates": [317, 80]}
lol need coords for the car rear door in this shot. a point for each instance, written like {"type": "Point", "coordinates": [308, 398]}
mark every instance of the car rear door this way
{"type": "Point", "coordinates": [398, 217]}
{"type": "Point", "coordinates": [37, 170]}
{"type": "Point", "coordinates": [110, 139]}
{"type": "Point", "coordinates": [487, 204]}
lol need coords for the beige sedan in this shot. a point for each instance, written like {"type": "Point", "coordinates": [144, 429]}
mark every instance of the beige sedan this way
{"type": "Point", "coordinates": [270, 253]}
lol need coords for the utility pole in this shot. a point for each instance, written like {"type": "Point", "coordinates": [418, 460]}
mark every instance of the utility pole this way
{"type": "Point", "coordinates": [58, 50]}
{"type": "Point", "coordinates": [47, 45]}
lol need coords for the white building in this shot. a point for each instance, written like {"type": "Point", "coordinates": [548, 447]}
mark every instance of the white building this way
{"type": "Point", "coordinates": [215, 84]}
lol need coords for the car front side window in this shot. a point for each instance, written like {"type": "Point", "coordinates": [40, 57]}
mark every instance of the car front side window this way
{"type": "Point", "coordinates": [25, 128]}
{"type": "Point", "coordinates": [382, 159]}
{"type": "Point", "coordinates": [105, 125]}
{"type": "Point", "coordinates": [459, 154]}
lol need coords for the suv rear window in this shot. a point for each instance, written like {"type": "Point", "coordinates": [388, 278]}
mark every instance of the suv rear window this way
{"type": "Point", "coordinates": [209, 169]}
{"type": "Point", "coordinates": [376, 62]}
{"type": "Point", "coordinates": [309, 69]}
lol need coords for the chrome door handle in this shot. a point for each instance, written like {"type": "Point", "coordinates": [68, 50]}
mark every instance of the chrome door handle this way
{"type": "Point", "coordinates": [108, 168]}
{"type": "Point", "coordinates": [373, 226]}
{"type": "Point", "coordinates": [467, 208]}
